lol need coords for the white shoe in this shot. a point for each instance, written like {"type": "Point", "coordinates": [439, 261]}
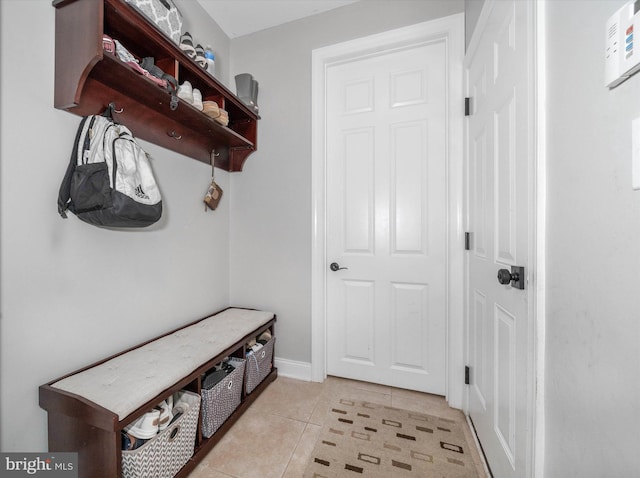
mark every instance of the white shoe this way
{"type": "Point", "coordinates": [165, 415]}
{"type": "Point", "coordinates": [146, 426]}
{"type": "Point", "coordinates": [185, 91]}
{"type": "Point", "coordinates": [197, 99]}
{"type": "Point", "coordinates": [180, 409]}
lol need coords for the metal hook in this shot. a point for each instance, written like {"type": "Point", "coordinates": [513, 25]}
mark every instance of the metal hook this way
{"type": "Point", "coordinates": [215, 154]}
{"type": "Point", "coordinates": [174, 135]}
{"type": "Point", "coordinates": [113, 108]}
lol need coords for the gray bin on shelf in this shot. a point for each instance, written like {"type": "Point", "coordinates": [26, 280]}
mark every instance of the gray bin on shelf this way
{"type": "Point", "coordinates": [259, 365]}
{"type": "Point", "coordinates": [220, 402]}
{"type": "Point", "coordinates": [165, 454]}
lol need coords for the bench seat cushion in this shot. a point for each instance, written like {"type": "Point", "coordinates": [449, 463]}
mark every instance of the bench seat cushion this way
{"type": "Point", "coordinates": [127, 381]}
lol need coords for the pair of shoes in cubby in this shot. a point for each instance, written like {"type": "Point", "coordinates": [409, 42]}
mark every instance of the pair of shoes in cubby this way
{"type": "Point", "coordinates": [260, 341]}
{"type": "Point", "coordinates": [191, 95]}
{"type": "Point", "coordinates": [148, 425]}
{"type": "Point", "coordinates": [195, 53]}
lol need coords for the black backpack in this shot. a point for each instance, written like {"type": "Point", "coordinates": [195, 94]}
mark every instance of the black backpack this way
{"type": "Point", "coordinates": [109, 181]}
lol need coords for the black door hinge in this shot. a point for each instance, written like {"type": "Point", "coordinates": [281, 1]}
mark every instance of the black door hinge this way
{"type": "Point", "coordinates": [467, 241]}
{"type": "Point", "coordinates": [467, 106]}
{"type": "Point", "coordinates": [467, 373]}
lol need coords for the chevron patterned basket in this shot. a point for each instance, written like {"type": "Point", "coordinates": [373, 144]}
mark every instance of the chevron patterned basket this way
{"type": "Point", "coordinates": [220, 402]}
{"type": "Point", "coordinates": [259, 365]}
{"type": "Point", "coordinates": [164, 455]}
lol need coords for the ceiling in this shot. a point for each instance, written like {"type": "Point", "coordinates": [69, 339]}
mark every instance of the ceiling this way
{"type": "Point", "coordinates": [241, 17]}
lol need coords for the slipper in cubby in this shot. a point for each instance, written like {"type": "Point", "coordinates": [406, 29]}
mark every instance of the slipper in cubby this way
{"type": "Point", "coordinates": [186, 45]}
{"type": "Point", "coordinates": [210, 108]}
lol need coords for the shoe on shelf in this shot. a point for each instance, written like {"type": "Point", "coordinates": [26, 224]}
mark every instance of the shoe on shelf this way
{"type": "Point", "coordinates": [266, 335]}
{"type": "Point", "coordinates": [129, 442]}
{"type": "Point", "coordinates": [200, 59]}
{"type": "Point", "coordinates": [197, 99]}
{"type": "Point", "coordinates": [186, 45]}
{"type": "Point", "coordinates": [210, 108]}
{"type": "Point", "coordinates": [181, 408]}
{"type": "Point", "coordinates": [146, 426]}
{"type": "Point", "coordinates": [185, 91]}
{"type": "Point", "coordinates": [166, 415]}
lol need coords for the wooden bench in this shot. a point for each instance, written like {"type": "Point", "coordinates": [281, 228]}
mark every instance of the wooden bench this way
{"type": "Point", "coordinates": [88, 409]}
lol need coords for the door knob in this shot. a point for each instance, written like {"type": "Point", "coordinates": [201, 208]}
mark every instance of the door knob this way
{"type": "Point", "coordinates": [515, 277]}
{"type": "Point", "coordinates": [336, 267]}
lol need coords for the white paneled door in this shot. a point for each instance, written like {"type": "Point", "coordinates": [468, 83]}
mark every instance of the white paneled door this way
{"type": "Point", "coordinates": [499, 170]}
{"type": "Point", "coordinates": [386, 215]}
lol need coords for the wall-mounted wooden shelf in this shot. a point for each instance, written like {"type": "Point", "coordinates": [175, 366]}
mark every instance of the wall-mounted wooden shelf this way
{"type": "Point", "coordinates": [87, 79]}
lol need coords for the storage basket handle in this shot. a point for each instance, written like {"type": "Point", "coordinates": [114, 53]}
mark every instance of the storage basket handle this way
{"type": "Point", "coordinates": [174, 433]}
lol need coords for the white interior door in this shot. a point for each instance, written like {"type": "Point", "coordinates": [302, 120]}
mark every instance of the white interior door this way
{"type": "Point", "coordinates": [387, 217]}
{"type": "Point", "coordinates": [500, 198]}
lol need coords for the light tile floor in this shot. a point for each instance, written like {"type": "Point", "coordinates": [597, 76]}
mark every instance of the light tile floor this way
{"type": "Point", "coordinates": [276, 435]}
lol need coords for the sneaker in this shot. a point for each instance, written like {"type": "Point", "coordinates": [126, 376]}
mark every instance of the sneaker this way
{"type": "Point", "coordinates": [200, 59]}
{"type": "Point", "coordinates": [186, 45]}
{"type": "Point", "coordinates": [146, 426]}
{"type": "Point", "coordinates": [166, 415]}
{"type": "Point", "coordinates": [180, 408]}
{"type": "Point", "coordinates": [186, 92]}
{"type": "Point", "coordinates": [197, 99]}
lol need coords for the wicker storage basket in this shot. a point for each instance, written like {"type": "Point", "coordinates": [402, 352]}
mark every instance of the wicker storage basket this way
{"type": "Point", "coordinates": [165, 454]}
{"type": "Point", "coordinates": [219, 402]}
{"type": "Point", "coordinates": [259, 365]}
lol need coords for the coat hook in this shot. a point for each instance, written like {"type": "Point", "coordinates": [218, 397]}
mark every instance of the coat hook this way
{"type": "Point", "coordinates": [174, 135]}
{"type": "Point", "coordinates": [114, 109]}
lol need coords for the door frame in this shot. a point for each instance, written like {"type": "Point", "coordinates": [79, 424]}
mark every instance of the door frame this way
{"type": "Point", "coordinates": [449, 29]}
{"type": "Point", "coordinates": [537, 229]}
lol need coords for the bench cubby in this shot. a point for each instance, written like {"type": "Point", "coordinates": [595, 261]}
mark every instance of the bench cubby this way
{"type": "Point", "coordinates": [88, 409]}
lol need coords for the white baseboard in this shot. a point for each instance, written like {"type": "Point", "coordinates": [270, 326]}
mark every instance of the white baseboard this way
{"type": "Point", "coordinates": [293, 369]}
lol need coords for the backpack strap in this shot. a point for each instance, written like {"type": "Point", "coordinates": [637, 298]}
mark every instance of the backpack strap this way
{"type": "Point", "coordinates": [64, 195]}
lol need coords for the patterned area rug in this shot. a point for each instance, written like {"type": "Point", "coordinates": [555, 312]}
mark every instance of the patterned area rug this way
{"type": "Point", "coordinates": [370, 440]}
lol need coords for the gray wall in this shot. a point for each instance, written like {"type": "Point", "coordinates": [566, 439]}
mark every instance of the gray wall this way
{"type": "Point", "coordinates": [73, 293]}
{"type": "Point", "coordinates": [271, 204]}
{"type": "Point", "coordinates": [593, 261]}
